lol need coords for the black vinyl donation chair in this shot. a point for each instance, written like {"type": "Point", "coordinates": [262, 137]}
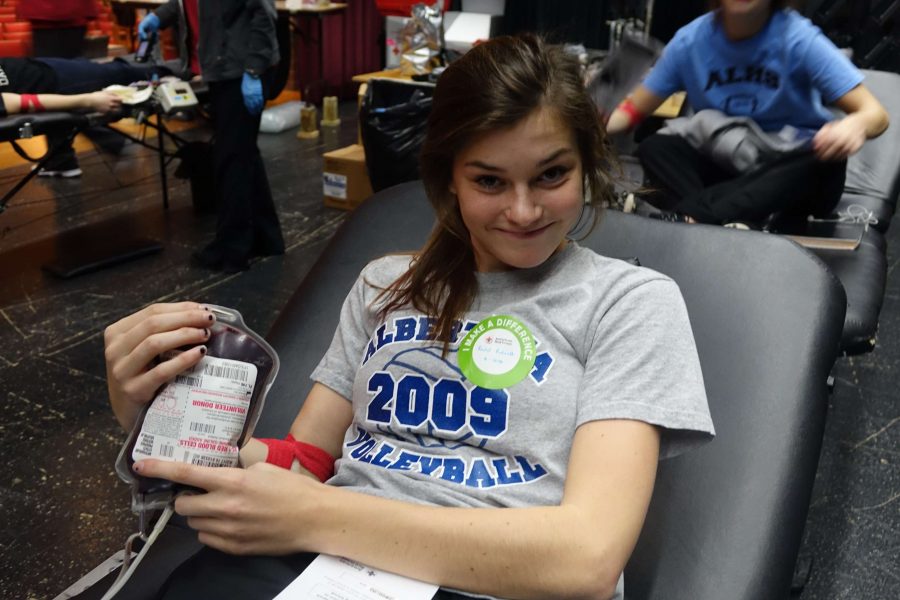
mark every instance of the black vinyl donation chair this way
{"type": "Point", "coordinates": [725, 520]}
{"type": "Point", "coordinates": [871, 191]}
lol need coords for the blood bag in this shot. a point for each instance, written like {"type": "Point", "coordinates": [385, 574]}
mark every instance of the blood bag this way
{"type": "Point", "coordinates": [206, 414]}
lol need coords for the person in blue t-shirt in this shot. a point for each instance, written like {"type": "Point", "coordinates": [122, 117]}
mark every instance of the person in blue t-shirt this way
{"type": "Point", "coordinates": [757, 59]}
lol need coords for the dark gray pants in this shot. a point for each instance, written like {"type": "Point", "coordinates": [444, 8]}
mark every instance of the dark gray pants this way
{"type": "Point", "coordinates": [684, 180]}
{"type": "Point", "coordinates": [247, 220]}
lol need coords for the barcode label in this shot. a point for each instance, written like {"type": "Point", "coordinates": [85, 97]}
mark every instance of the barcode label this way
{"type": "Point", "coordinates": [202, 427]}
{"type": "Point", "coordinates": [198, 418]}
{"type": "Point", "coordinates": [185, 380]}
{"type": "Point", "coordinates": [229, 372]}
{"type": "Point", "coordinates": [211, 461]}
{"type": "Point", "coordinates": [146, 447]}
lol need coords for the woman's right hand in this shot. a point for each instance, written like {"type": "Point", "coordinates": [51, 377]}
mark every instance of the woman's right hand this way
{"type": "Point", "coordinates": [133, 344]}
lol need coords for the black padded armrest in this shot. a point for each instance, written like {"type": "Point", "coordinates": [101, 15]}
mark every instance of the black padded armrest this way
{"type": "Point", "coordinates": [863, 273]}
{"type": "Point", "coordinates": [21, 126]}
{"type": "Point", "coordinates": [875, 169]}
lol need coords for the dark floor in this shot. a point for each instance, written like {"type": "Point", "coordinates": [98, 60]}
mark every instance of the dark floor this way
{"type": "Point", "coordinates": [64, 509]}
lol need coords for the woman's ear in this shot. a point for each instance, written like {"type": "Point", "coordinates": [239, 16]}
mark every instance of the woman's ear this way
{"type": "Point", "coordinates": [452, 188]}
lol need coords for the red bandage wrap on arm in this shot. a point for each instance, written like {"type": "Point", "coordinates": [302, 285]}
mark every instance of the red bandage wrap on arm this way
{"type": "Point", "coordinates": [634, 115]}
{"type": "Point", "coordinates": [312, 458]}
{"type": "Point", "coordinates": [28, 100]}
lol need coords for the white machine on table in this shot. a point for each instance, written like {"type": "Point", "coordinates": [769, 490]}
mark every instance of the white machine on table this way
{"type": "Point", "coordinates": [174, 96]}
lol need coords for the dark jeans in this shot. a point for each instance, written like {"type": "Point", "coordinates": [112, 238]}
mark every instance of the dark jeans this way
{"type": "Point", "coordinates": [79, 76]}
{"type": "Point", "coordinates": [247, 221]}
{"type": "Point", "coordinates": [684, 180]}
{"type": "Point", "coordinates": [213, 574]}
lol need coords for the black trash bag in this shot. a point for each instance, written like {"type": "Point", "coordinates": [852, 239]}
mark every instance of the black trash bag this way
{"type": "Point", "coordinates": [392, 122]}
{"type": "Point", "coordinates": [197, 166]}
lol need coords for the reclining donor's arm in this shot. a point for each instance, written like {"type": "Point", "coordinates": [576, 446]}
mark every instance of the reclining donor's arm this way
{"type": "Point", "coordinates": [102, 102]}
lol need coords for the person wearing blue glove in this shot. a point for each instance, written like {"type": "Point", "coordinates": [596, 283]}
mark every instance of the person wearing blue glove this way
{"type": "Point", "coordinates": [148, 27]}
{"type": "Point", "coordinates": [251, 89]}
{"type": "Point", "coordinates": [232, 44]}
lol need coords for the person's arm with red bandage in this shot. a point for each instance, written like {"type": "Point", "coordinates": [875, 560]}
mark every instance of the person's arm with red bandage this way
{"type": "Point", "coordinates": [634, 109]}
{"type": "Point", "coordinates": [102, 102]}
{"type": "Point", "coordinates": [315, 437]}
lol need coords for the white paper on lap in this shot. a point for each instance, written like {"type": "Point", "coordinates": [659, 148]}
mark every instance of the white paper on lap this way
{"type": "Point", "coordinates": [334, 578]}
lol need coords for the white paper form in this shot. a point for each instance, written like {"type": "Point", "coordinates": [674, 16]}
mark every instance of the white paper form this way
{"type": "Point", "coordinates": [334, 578]}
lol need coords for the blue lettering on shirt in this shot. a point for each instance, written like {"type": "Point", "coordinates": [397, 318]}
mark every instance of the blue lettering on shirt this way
{"type": "Point", "coordinates": [411, 329]}
{"type": "Point", "coordinates": [477, 472]}
{"type": "Point", "coordinates": [757, 74]}
{"type": "Point", "coordinates": [405, 329]}
{"type": "Point", "coordinates": [419, 396]}
{"type": "Point", "coordinates": [447, 406]}
{"type": "Point", "coordinates": [542, 364]}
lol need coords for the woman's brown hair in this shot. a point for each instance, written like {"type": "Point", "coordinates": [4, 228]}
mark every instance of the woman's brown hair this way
{"type": "Point", "coordinates": [492, 87]}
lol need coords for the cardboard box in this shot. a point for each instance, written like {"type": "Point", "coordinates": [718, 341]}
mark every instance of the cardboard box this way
{"type": "Point", "coordinates": [345, 181]}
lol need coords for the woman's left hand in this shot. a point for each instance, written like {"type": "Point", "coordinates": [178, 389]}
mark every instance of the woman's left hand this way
{"type": "Point", "coordinates": [837, 140]}
{"type": "Point", "coordinates": [260, 510]}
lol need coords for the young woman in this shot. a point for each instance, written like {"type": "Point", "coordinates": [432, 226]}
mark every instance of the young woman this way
{"type": "Point", "coordinates": [535, 486]}
{"type": "Point", "coordinates": [754, 58]}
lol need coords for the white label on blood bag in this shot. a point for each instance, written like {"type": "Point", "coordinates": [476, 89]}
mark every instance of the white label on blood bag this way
{"type": "Point", "coordinates": [199, 417]}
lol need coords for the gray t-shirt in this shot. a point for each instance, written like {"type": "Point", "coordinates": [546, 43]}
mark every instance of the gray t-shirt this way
{"type": "Point", "coordinates": [612, 341]}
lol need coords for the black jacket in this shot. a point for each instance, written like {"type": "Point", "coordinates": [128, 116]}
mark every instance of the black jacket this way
{"type": "Point", "coordinates": [236, 36]}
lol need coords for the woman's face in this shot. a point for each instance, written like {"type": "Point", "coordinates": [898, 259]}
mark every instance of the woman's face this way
{"type": "Point", "coordinates": [519, 191]}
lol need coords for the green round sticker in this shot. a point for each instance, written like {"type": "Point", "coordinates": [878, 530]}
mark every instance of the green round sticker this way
{"type": "Point", "coordinates": [497, 353]}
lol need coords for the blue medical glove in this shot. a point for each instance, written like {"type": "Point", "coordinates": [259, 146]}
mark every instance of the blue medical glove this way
{"type": "Point", "coordinates": [148, 27]}
{"type": "Point", "coordinates": [251, 88]}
